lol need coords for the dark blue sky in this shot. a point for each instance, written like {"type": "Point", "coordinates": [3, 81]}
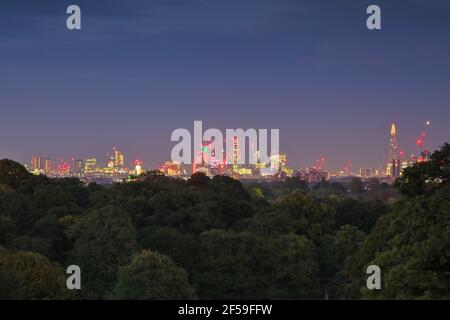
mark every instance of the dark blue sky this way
{"type": "Point", "coordinates": [140, 69]}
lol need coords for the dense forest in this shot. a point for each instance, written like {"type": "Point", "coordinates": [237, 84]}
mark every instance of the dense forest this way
{"type": "Point", "coordinates": [215, 238]}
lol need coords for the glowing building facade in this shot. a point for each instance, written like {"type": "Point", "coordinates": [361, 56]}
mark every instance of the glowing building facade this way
{"type": "Point", "coordinates": [393, 165]}
{"type": "Point", "coordinates": [138, 167]}
{"type": "Point", "coordinates": [41, 165]}
{"type": "Point", "coordinates": [90, 165]}
{"type": "Point", "coordinates": [119, 159]}
{"type": "Point", "coordinates": [171, 168]}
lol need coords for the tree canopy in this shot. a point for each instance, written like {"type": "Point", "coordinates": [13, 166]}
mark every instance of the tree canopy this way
{"type": "Point", "coordinates": [218, 238]}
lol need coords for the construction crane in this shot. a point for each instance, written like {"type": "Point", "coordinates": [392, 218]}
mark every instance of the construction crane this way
{"type": "Point", "coordinates": [420, 141]}
{"type": "Point", "coordinates": [320, 163]}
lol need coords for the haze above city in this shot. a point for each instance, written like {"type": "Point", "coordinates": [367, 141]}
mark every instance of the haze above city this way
{"type": "Point", "coordinates": [140, 69]}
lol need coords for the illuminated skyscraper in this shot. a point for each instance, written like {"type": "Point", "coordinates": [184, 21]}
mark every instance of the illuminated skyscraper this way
{"type": "Point", "coordinates": [137, 167]}
{"type": "Point", "coordinates": [393, 166]}
{"type": "Point", "coordinates": [110, 161]}
{"type": "Point", "coordinates": [35, 164]}
{"type": "Point", "coordinates": [368, 172]}
{"type": "Point", "coordinates": [78, 167]}
{"type": "Point", "coordinates": [41, 165]}
{"type": "Point", "coordinates": [90, 165]}
{"type": "Point", "coordinates": [171, 168]}
{"type": "Point", "coordinates": [48, 165]}
{"type": "Point", "coordinates": [235, 150]}
{"type": "Point", "coordinates": [119, 159]}
{"type": "Point", "coordinates": [236, 159]}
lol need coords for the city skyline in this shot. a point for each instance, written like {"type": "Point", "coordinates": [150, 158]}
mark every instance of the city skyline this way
{"type": "Point", "coordinates": [110, 159]}
{"type": "Point", "coordinates": [207, 162]}
{"type": "Point", "coordinates": [139, 70]}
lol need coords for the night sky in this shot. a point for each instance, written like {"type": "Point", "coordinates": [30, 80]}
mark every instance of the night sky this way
{"type": "Point", "coordinates": [140, 69]}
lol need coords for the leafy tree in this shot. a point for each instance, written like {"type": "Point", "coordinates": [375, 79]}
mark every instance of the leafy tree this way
{"type": "Point", "coordinates": [35, 244]}
{"type": "Point", "coordinates": [46, 237]}
{"type": "Point", "coordinates": [265, 240]}
{"type": "Point", "coordinates": [192, 210]}
{"type": "Point", "coordinates": [5, 188]}
{"type": "Point", "coordinates": [28, 275]}
{"type": "Point", "coordinates": [19, 208]}
{"type": "Point", "coordinates": [49, 195]}
{"type": "Point", "coordinates": [298, 213]}
{"type": "Point", "coordinates": [243, 265]}
{"type": "Point", "coordinates": [326, 189]}
{"type": "Point", "coordinates": [199, 179]}
{"type": "Point", "coordinates": [295, 268]}
{"type": "Point", "coordinates": [257, 192]}
{"type": "Point", "coordinates": [229, 186]}
{"type": "Point", "coordinates": [183, 248]}
{"type": "Point", "coordinates": [361, 214]}
{"type": "Point", "coordinates": [262, 190]}
{"type": "Point", "coordinates": [151, 276]}
{"type": "Point", "coordinates": [347, 241]}
{"type": "Point", "coordinates": [424, 177]}
{"type": "Point", "coordinates": [12, 173]}
{"type": "Point", "coordinates": [294, 183]}
{"type": "Point", "coordinates": [103, 239]}
{"type": "Point", "coordinates": [356, 186]}
{"type": "Point", "coordinates": [410, 244]}
{"type": "Point", "coordinates": [377, 191]}
{"type": "Point", "coordinates": [6, 230]}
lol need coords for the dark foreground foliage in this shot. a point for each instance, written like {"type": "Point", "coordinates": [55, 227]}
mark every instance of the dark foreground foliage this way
{"type": "Point", "coordinates": [163, 238]}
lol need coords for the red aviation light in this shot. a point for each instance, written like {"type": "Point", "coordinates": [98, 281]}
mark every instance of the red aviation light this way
{"type": "Point", "coordinates": [419, 142]}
